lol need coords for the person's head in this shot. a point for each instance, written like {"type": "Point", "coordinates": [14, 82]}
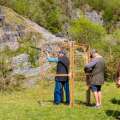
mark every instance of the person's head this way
{"type": "Point", "coordinates": [93, 53]}
{"type": "Point", "coordinates": [61, 54]}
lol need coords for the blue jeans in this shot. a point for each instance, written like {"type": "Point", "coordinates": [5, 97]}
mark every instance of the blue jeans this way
{"type": "Point", "coordinates": [58, 91]}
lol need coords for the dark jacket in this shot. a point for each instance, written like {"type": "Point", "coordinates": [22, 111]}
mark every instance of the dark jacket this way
{"type": "Point", "coordinates": [97, 73]}
{"type": "Point", "coordinates": [62, 68]}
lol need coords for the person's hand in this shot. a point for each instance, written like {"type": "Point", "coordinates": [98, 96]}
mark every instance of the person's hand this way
{"type": "Point", "coordinates": [70, 74]}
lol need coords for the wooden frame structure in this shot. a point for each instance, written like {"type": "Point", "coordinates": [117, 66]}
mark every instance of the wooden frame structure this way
{"type": "Point", "coordinates": [86, 50]}
{"type": "Point", "coordinates": [72, 46]}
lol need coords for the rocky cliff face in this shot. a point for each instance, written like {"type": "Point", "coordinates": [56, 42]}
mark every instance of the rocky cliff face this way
{"type": "Point", "coordinates": [24, 39]}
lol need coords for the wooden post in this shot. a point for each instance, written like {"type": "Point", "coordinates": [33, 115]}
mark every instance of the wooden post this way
{"type": "Point", "coordinates": [42, 75]}
{"type": "Point", "coordinates": [88, 93]}
{"type": "Point", "coordinates": [71, 81]}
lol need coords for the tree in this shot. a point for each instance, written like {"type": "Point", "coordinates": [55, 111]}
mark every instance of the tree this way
{"type": "Point", "coordinates": [67, 7]}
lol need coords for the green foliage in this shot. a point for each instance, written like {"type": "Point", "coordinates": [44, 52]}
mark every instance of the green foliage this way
{"type": "Point", "coordinates": [5, 70]}
{"type": "Point", "coordinates": [53, 22]}
{"type": "Point", "coordinates": [110, 9]}
{"type": "Point", "coordinates": [5, 65]}
{"type": "Point", "coordinates": [49, 13]}
{"type": "Point", "coordinates": [45, 12]}
{"type": "Point", "coordinates": [112, 59]}
{"type": "Point", "coordinates": [96, 4]}
{"type": "Point", "coordinates": [28, 46]}
{"type": "Point", "coordinates": [108, 14]}
{"type": "Point", "coordinates": [16, 82]}
{"type": "Point", "coordinates": [4, 2]}
{"type": "Point", "coordinates": [116, 35]}
{"type": "Point", "coordinates": [7, 80]}
{"type": "Point", "coordinates": [20, 5]}
{"type": "Point", "coordinates": [25, 105]}
{"type": "Point", "coordinates": [85, 31]}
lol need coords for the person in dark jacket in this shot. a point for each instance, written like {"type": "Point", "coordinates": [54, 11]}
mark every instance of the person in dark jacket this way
{"type": "Point", "coordinates": [61, 81]}
{"type": "Point", "coordinates": [97, 69]}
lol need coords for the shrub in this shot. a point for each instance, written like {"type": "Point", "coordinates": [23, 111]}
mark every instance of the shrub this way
{"type": "Point", "coordinates": [83, 30]}
{"type": "Point", "coordinates": [116, 35]}
{"type": "Point", "coordinates": [28, 46]}
{"type": "Point", "coordinates": [16, 82]}
{"type": "Point", "coordinates": [45, 12]}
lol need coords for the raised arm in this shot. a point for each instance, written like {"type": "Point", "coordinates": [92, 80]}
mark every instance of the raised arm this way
{"type": "Point", "coordinates": [52, 59]}
{"type": "Point", "coordinates": [91, 64]}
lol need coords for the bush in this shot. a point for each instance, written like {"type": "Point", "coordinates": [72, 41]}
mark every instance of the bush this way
{"type": "Point", "coordinates": [83, 30]}
{"type": "Point", "coordinates": [28, 46]}
{"type": "Point", "coordinates": [45, 12]}
{"type": "Point", "coordinates": [7, 81]}
{"type": "Point", "coordinates": [5, 66]}
{"type": "Point", "coordinates": [16, 82]}
{"type": "Point", "coordinates": [4, 2]}
{"type": "Point", "coordinates": [109, 8]}
{"type": "Point", "coordinates": [116, 35]}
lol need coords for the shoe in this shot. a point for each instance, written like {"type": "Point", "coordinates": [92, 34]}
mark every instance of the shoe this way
{"type": "Point", "coordinates": [96, 106]}
{"type": "Point", "coordinates": [67, 103]}
{"type": "Point", "coordinates": [56, 103]}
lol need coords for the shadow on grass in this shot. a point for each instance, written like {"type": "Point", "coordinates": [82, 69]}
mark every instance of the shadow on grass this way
{"type": "Point", "coordinates": [45, 102]}
{"type": "Point", "coordinates": [84, 103]}
{"type": "Point", "coordinates": [115, 101]}
{"type": "Point", "coordinates": [76, 102]}
{"type": "Point", "coordinates": [114, 114]}
{"type": "Point", "coordinates": [51, 102]}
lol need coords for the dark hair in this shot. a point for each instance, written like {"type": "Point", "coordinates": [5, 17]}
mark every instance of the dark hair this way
{"type": "Point", "coordinates": [93, 51]}
{"type": "Point", "coordinates": [62, 52]}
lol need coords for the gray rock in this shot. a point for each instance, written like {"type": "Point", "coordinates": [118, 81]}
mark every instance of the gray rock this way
{"type": "Point", "coordinates": [46, 35]}
{"type": "Point", "coordinates": [76, 13]}
{"type": "Point", "coordinates": [94, 16]}
{"type": "Point", "coordinates": [20, 63]}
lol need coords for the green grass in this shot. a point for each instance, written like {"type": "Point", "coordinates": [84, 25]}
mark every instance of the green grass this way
{"type": "Point", "coordinates": [25, 105]}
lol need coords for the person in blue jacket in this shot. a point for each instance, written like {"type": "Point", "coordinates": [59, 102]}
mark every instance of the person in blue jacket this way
{"type": "Point", "coordinates": [61, 81]}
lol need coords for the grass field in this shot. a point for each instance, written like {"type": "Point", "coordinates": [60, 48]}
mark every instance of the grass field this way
{"type": "Point", "coordinates": [25, 105]}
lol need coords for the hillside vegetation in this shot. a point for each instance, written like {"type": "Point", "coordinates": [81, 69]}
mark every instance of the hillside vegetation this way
{"type": "Point", "coordinates": [66, 19]}
{"type": "Point", "coordinates": [58, 17]}
{"type": "Point", "coordinates": [52, 13]}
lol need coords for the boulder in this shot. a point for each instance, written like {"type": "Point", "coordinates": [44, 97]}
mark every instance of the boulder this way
{"type": "Point", "coordinates": [94, 16]}
{"type": "Point", "coordinates": [20, 63]}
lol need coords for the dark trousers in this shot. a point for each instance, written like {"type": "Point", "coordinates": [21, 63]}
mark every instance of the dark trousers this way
{"type": "Point", "coordinates": [59, 85]}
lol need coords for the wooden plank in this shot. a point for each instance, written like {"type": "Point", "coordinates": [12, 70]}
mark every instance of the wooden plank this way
{"type": "Point", "coordinates": [71, 81]}
{"type": "Point", "coordinates": [59, 75]}
{"type": "Point", "coordinates": [88, 91]}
